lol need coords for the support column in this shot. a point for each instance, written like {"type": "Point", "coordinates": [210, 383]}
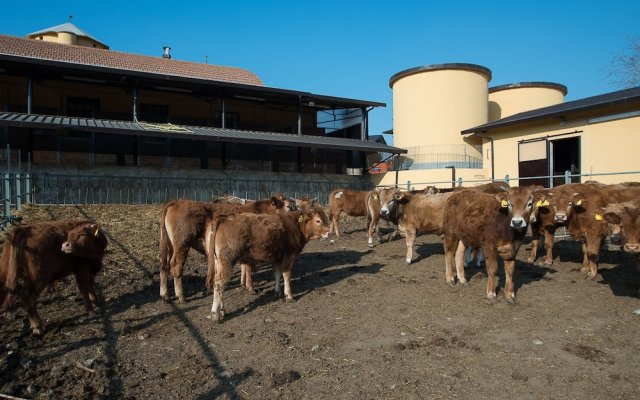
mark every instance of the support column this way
{"type": "Point", "coordinates": [134, 100]}
{"type": "Point", "coordinates": [224, 111]}
{"type": "Point", "coordinates": [29, 96]}
{"type": "Point", "coordinates": [299, 115]}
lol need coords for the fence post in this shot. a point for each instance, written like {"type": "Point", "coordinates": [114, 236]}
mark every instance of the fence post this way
{"type": "Point", "coordinates": [460, 182]}
{"type": "Point", "coordinates": [18, 192]}
{"type": "Point", "coordinates": [7, 193]}
{"type": "Point", "coordinates": [408, 185]}
{"type": "Point", "coordinates": [27, 183]}
{"type": "Point", "coordinates": [506, 179]}
{"type": "Point", "coordinates": [567, 176]}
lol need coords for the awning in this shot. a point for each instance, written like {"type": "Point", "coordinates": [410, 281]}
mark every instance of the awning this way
{"type": "Point", "coordinates": [190, 132]}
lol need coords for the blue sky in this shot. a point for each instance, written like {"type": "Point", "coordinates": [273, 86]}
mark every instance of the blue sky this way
{"type": "Point", "coordinates": [352, 48]}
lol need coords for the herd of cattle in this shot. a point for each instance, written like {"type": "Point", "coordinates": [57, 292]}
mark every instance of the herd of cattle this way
{"type": "Point", "coordinates": [488, 221]}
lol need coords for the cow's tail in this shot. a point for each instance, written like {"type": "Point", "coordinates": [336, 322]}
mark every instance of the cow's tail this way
{"type": "Point", "coordinates": [210, 250]}
{"type": "Point", "coordinates": [12, 265]}
{"type": "Point", "coordinates": [166, 248]}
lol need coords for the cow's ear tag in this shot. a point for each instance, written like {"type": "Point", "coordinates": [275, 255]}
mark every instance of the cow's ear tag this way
{"type": "Point", "coordinates": [504, 204]}
{"type": "Point", "coordinates": [579, 202]}
{"type": "Point", "coordinates": [97, 231]}
{"type": "Point", "coordinates": [538, 203]}
{"type": "Point", "coordinates": [544, 203]}
{"type": "Point", "coordinates": [301, 218]}
{"type": "Point", "coordinates": [598, 217]}
{"type": "Point", "coordinates": [375, 196]}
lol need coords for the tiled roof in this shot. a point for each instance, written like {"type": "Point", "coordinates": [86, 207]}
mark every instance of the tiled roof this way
{"type": "Point", "coordinates": [78, 55]}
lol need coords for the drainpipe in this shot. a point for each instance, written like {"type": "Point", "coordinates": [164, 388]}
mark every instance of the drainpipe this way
{"type": "Point", "coordinates": [29, 96]}
{"type": "Point", "coordinates": [492, 164]}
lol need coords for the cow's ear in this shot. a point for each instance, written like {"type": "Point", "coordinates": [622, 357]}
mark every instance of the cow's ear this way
{"type": "Point", "coordinates": [95, 230]}
{"type": "Point", "coordinates": [400, 196]}
{"type": "Point", "coordinates": [579, 201]}
{"type": "Point", "coordinates": [503, 199]}
{"type": "Point", "coordinates": [611, 217]}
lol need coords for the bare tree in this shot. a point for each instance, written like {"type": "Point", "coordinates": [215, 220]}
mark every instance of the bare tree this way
{"type": "Point", "coordinates": [625, 66]}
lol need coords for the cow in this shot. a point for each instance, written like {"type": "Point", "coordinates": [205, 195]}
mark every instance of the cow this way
{"type": "Point", "coordinates": [306, 203]}
{"type": "Point", "coordinates": [624, 223]}
{"type": "Point", "coordinates": [413, 214]}
{"type": "Point", "coordinates": [373, 205]}
{"type": "Point", "coordinates": [182, 227]}
{"type": "Point", "coordinates": [39, 254]}
{"type": "Point", "coordinates": [351, 202]}
{"type": "Point", "coordinates": [257, 238]}
{"type": "Point", "coordinates": [542, 225]}
{"type": "Point", "coordinates": [495, 223]}
{"type": "Point", "coordinates": [577, 206]}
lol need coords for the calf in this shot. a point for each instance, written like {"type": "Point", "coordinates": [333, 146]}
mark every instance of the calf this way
{"type": "Point", "coordinates": [494, 223]}
{"type": "Point", "coordinates": [257, 238]}
{"type": "Point", "coordinates": [182, 227]}
{"type": "Point", "coordinates": [351, 202]}
{"type": "Point", "coordinates": [413, 214]}
{"type": "Point", "coordinates": [542, 225]}
{"type": "Point", "coordinates": [624, 223]}
{"type": "Point", "coordinates": [40, 254]}
{"type": "Point", "coordinates": [374, 204]}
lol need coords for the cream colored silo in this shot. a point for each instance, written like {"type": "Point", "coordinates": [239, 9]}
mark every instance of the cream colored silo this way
{"type": "Point", "coordinates": [514, 98]}
{"type": "Point", "coordinates": [432, 104]}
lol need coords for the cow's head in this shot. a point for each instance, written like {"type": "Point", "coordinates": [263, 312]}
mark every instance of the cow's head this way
{"type": "Point", "coordinates": [624, 224]}
{"type": "Point", "coordinates": [305, 204]}
{"type": "Point", "coordinates": [85, 241]}
{"type": "Point", "coordinates": [567, 204]}
{"type": "Point", "coordinates": [389, 199]}
{"type": "Point", "coordinates": [517, 203]}
{"type": "Point", "coordinates": [315, 223]}
{"type": "Point", "coordinates": [542, 205]}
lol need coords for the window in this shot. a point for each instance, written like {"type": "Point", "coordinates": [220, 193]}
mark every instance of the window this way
{"type": "Point", "coordinates": [157, 113]}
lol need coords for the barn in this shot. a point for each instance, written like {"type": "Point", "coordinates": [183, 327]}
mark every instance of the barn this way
{"type": "Point", "coordinates": [88, 123]}
{"type": "Point", "coordinates": [455, 126]}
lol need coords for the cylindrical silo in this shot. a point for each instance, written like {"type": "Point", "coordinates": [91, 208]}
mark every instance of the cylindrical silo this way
{"type": "Point", "coordinates": [514, 98]}
{"type": "Point", "coordinates": [432, 104]}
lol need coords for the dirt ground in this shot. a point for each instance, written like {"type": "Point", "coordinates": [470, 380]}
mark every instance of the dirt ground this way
{"type": "Point", "coordinates": [364, 326]}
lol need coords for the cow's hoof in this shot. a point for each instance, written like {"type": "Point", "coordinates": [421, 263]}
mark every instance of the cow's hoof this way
{"type": "Point", "coordinates": [531, 260]}
{"type": "Point", "coordinates": [464, 283]}
{"type": "Point", "coordinates": [407, 260]}
{"type": "Point", "coordinates": [491, 300]}
{"type": "Point", "coordinates": [451, 282]}
{"type": "Point", "coordinates": [290, 299]}
{"type": "Point", "coordinates": [36, 333]}
{"type": "Point", "coordinates": [252, 292]}
{"type": "Point", "coordinates": [166, 299]}
{"type": "Point", "coordinates": [181, 300]}
{"type": "Point", "coordinates": [511, 300]}
{"type": "Point", "coordinates": [370, 244]}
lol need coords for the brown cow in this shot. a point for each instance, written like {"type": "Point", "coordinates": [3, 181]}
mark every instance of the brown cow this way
{"type": "Point", "coordinates": [182, 226]}
{"type": "Point", "coordinates": [351, 202]}
{"type": "Point", "coordinates": [40, 254]}
{"type": "Point", "coordinates": [494, 223]}
{"type": "Point", "coordinates": [542, 225]}
{"type": "Point", "coordinates": [577, 206]}
{"type": "Point", "coordinates": [258, 238]}
{"type": "Point", "coordinates": [374, 204]}
{"type": "Point", "coordinates": [624, 222]}
{"type": "Point", "coordinates": [413, 214]}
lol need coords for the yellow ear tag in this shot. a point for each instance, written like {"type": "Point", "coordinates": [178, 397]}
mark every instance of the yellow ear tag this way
{"type": "Point", "coordinates": [538, 203]}
{"type": "Point", "coordinates": [578, 202]}
{"type": "Point", "coordinates": [545, 203]}
{"type": "Point", "coordinates": [375, 196]}
{"type": "Point", "coordinates": [97, 232]}
{"type": "Point", "coordinates": [598, 217]}
{"type": "Point", "coordinates": [504, 204]}
{"type": "Point", "coordinates": [301, 218]}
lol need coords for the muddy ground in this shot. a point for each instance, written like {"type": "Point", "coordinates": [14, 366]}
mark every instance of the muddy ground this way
{"type": "Point", "coordinates": [364, 326]}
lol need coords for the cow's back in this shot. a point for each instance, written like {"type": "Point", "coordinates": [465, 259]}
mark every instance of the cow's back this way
{"type": "Point", "coordinates": [474, 217]}
{"type": "Point", "coordinates": [424, 212]}
{"type": "Point", "coordinates": [352, 202]}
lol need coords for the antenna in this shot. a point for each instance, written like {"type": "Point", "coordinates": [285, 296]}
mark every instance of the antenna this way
{"type": "Point", "coordinates": [206, 59]}
{"type": "Point", "coordinates": [70, 18]}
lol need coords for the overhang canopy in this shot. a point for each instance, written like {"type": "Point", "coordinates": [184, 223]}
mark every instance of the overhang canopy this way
{"type": "Point", "coordinates": [190, 132]}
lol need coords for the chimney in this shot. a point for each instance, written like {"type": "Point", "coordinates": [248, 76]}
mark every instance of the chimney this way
{"type": "Point", "coordinates": [167, 52]}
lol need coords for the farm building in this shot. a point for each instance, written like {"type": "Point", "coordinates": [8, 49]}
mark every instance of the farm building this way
{"type": "Point", "coordinates": [82, 115]}
{"type": "Point", "coordinates": [455, 126]}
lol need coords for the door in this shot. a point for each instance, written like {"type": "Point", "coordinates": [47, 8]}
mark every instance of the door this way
{"type": "Point", "coordinates": [533, 161]}
{"type": "Point", "coordinates": [565, 156]}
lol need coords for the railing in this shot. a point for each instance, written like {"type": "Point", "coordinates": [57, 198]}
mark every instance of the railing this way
{"type": "Point", "coordinates": [441, 156]}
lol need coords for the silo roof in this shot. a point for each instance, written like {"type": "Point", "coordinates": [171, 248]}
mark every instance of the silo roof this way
{"type": "Point", "coordinates": [435, 67]}
{"type": "Point", "coordinates": [550, 85]}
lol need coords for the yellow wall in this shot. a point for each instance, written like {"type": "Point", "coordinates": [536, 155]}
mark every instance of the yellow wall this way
{"type": "Point", "coordinates": [434, 177]}
{"type": "Point", "coordinates": [503, 103]}
{"type": "Point", "coordinates": [605, 147]}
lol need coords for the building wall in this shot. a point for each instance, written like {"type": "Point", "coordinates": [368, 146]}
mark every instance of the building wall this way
{"type": "Point", "coordinates": [605, 147]}
{"type": "Point", "coordinates": [503, 103]}
{"type": "Point", "coordinates": [419, 179]}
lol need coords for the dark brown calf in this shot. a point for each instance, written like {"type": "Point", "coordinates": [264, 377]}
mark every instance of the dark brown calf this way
{"type": "Point", "coordinates": [40, 254]}
{"type": "Point", "coordinates": [494, 223]}
{"type": "Point", "coordinates": [183, 224]}
{"type": "Point", "coordinates": [624, 223]}
{"type": "Point", "coordinates": [257, 238]}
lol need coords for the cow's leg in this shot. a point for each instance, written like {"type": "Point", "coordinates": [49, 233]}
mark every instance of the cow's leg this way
{"type": "Point", "coordinates": [450, 245]}
{"type": "Point", "coordinates": [30, 299]}
{"type": "Point", "coordinates": [585, 259]}
{"type": "Point", "coordinates": [509, 267]}
{"type": "Point", "coordinates": [177, 265]}
{"type": "Point", "coordinates": [548, 246]}
{"type": "Point", "coordinates": [85, 282]}
{"type": "Point", "coordinates": [286, 267]}
{"type": "Point", "coordinates": [592, 253]}
{"type": "Point", "coordinates": [277, 276]}
{"type": "Point", "coordinates": [491, 261]}
{"type": "Point", "coordinates": [246, 277]}
{"type": "Point", "coordinates": [410, 238]}
{"type": "Point", "coordinates": [372, 224]}
{"type": "Point", "coordinates": [535, 241]}
{"type": "Point", "coordinates": [459, 257]}
{"type": "Point", "coordinates": [335, 222]}
{"type": "Point", "coordinates": [222, 268]}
